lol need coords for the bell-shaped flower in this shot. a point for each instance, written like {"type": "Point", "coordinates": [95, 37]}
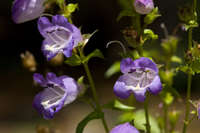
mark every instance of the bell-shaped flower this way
{"type": "Point", "coordinates": [139, 76]}
{"type": "Point", "coordinates": [60, 36]}
{"type": "Point", "coordinates": [26, 10]}
{"type": "Point", "coordinates": [143, 6]}
{"type": "Point", "coordinates": [58, 92]}
{"type": "Point", "coordinates": [124, 128]}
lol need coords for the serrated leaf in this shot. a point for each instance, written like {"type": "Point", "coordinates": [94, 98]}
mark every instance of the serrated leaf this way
{"type": "Point", "coordinates": [113, 69]}
{"type": "Point", "coordinates": [149, 18]}
{"type": "Point", "coordinates": [95, 53]}
{"type": "Point", "coordinates": [149, 34]}
{"type": "Point", "coordinates": [92, 116]}
{"type": "Point", "coordinates": [74, 60]}
{"type": "Point", "coordinates": [117, 105]}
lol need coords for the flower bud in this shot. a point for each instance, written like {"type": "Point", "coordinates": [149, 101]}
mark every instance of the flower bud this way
{"type": "Point", "coordinates": [143, 6]}
{"type": "Point", "coordinates": [57, 60]}
{"type": "Point", "coordinates": [28, 61]}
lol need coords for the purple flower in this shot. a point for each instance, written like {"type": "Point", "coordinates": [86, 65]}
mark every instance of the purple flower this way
{"type": "Point", "coordinates": [58, 92]}
{"type": "Point", "coordinates": [124, 128]}
{"type": "Point", "coordinates": [138, 76]}
{"type": "Point", "coordinates": [144, 6]}
{"type": "Point", "coordinates": [25, 10]}
{"type": "Point", "coordinates": [60, 36]}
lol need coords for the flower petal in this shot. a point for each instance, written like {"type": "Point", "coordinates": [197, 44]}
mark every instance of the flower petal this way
{"type": "Point", "coordinates": [25, 10]}
{"type": "Point", "coordinates": [127, 65]}
{"type": "Point", "coordinates": [140, 95]}
{"type": "Point", "coordinates": [39, 79]}
{"type": "Point", "coordinates": [124, 128]}
{"type": "Point", "coordinates": [40, 109]}
{"type": "Point", "coordinates": [47, 53]}
{"type": "Point", "coordinates": [144, 62]}
{"type": "Point", "coordinates": [76, 35]}
{"type": "Point", "coordinates": [68, 50]}
{"type": "Point", "coordinates": [71, 89]}
{"type": "Point", "coordinates": [120, 89]}
{"type": "Point", "coordinates": [61, 21]}
{"type": "Point", "coordinates": [43, 23]}
{"type": "Point", "coordinates": [156, 85]}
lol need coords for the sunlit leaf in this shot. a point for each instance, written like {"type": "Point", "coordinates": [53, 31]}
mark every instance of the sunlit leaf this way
{"type": "Point", "coordinates": [113, 69]}
{"type": "Point", "coordinates": [117, 105]}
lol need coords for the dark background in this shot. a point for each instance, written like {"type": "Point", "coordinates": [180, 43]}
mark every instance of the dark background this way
{"type": "Point", "coordinates": [16, 86]}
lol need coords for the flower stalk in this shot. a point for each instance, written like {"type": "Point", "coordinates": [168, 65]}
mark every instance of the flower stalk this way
{"type": "Point", "coordinates": [148, 128]}
{"type": "Point", "coordinates": [93, 88]}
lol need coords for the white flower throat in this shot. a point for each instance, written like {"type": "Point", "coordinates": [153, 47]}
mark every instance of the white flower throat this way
{"type": "Point", "coordinates": [139, 79]}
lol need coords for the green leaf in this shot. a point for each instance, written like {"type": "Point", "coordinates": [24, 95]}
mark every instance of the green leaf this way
{"type": "Point", "coordinates": [176, 59]}
{"type": "Point", "coordinates": [117, 105]}
{"type": "Point", "coordinates": [168, 99]}
{"type": "Point", "coordinates": [126, 13]}
{"type": "Point", "coordinates": [185, 69]}
{"type": "Point", "coordinates": [140, 121]}
{"type": "Point", "coordinates": [92, 116]}
{"type": "Point", "coordinates": [113, 69]}
{"type": "Point", "coordinates": [126, 4]}
{"type": "Point", "coordinates": [95, 53]}
{"type": "Point", "coordinates": [74, 60]}
{"type": "Point", "coordinates": [126, 117]}
{"type": "Point", "coordinates": [173, 117]}
{"type": "Point", "coordinates": [149, 18]}
{"type": "Point", "coordinates": [149, 34]}
{"type": "Point", "coordinates": [191, 24]}
{"type": "Point", "coordinates": [69, 9]}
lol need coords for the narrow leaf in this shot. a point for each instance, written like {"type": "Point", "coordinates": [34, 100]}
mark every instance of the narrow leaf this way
{"type": "Point", "coordinates": [114, 68]}
{"type": "Point", "coordinates": [117, 105]}
{"type": "Point", "coordinates": [88, 118]}
{"type": "Point", "coordinates": [95, 53]}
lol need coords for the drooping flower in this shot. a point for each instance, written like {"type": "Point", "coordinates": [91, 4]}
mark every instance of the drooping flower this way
{"type": "Point", "coordinates": [138, 76]}
{"type": "Point", "coordinates": [143, 6]}
{"type": "Point", "coordinates": [60, 36]}
{"type": "Point", "coordinates": [124, 128]}
{"type": "Point", "coordinates": [58, 92]}
{"type": "Point", "coordinates": [26, 10]}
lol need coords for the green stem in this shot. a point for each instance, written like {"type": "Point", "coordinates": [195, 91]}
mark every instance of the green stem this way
{"type": "Point", "coordinates": [148, 128]}
{"type": "Point", "coordinates": [189, 84]}
{"type": "Point", "coordinates": [93, 88]}
{"type": "Point", "coordinates": [187, 107]}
